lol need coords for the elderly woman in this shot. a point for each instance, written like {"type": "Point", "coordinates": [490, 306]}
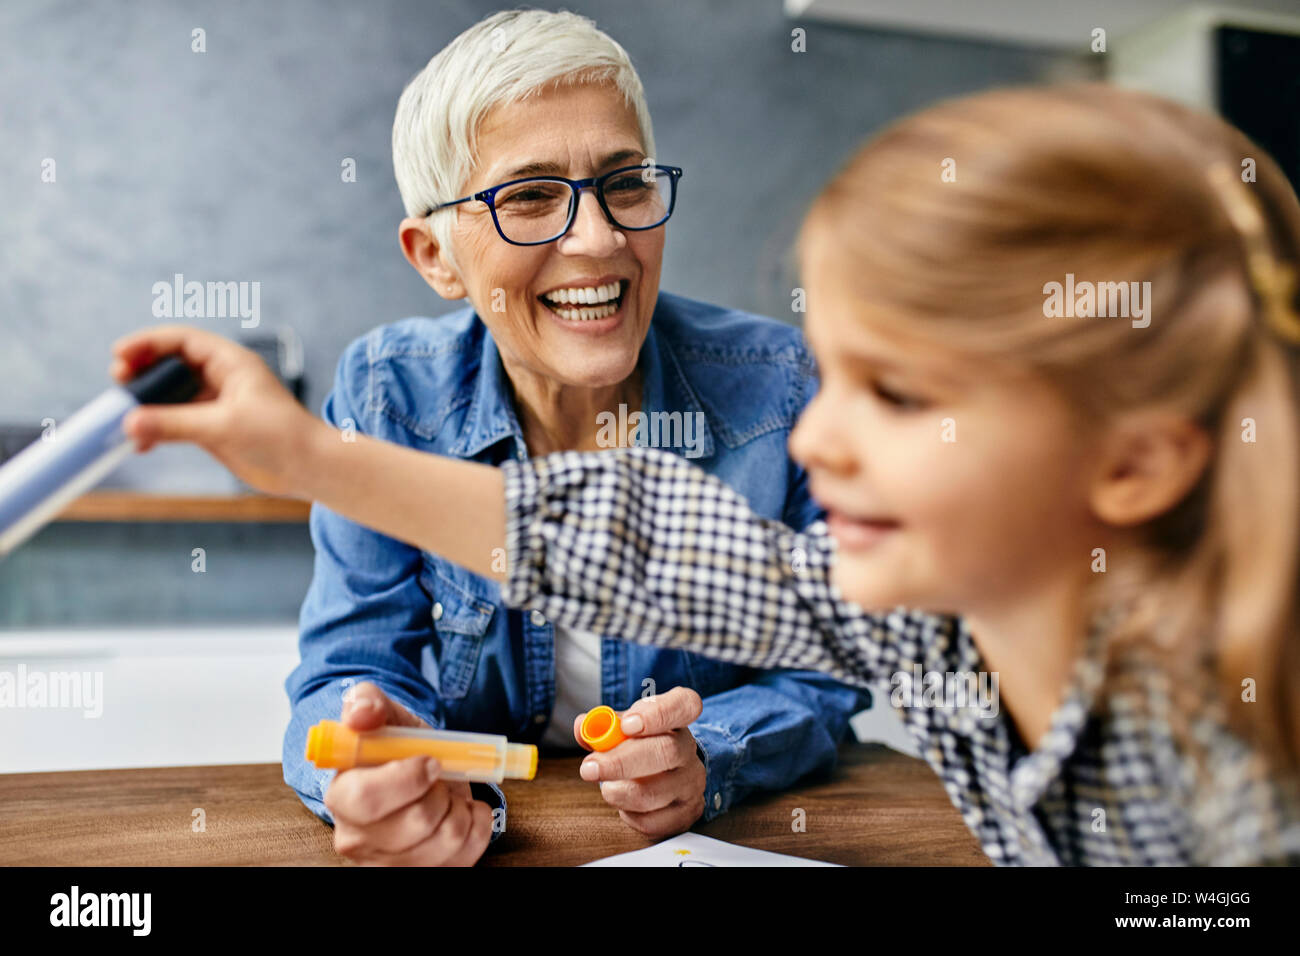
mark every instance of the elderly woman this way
{"type": "Point", "coordinates": [526, 163]}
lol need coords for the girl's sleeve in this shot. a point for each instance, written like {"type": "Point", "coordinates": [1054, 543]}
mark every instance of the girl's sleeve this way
{"type": "Point", "coordinates": [639, 542]}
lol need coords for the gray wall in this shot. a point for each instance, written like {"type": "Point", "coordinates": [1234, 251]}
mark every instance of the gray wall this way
{"type": "Point", "coordinates": [225, 165]}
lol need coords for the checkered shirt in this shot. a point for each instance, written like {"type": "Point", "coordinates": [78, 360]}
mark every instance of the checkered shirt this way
{"type": "Point", "coordinates": [640, 543]}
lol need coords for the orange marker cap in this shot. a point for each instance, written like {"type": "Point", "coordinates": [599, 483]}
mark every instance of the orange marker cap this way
{"type": "Point", "coordinates": [331, 744]}
{"type": "Point", "coordinates": [600, 729]}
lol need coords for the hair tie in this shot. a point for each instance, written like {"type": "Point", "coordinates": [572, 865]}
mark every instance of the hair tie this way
{"type": "Point", "coordinates": [1274, 282]}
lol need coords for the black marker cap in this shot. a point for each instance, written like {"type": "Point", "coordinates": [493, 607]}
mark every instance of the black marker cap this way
{"type": "Point", "coordinates": [168, 381]}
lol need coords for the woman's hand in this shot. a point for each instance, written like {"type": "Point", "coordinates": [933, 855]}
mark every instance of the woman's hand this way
{"type": "Point", "coordinates": [242, 415]}
{"type": "Point", "coordinates": [400, 813]}
{"type": "Point", "coordinates": [654, 778]}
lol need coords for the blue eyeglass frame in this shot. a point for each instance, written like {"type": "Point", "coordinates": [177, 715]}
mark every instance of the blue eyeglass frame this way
{"type": "Point", "coordinates": [488, 196]}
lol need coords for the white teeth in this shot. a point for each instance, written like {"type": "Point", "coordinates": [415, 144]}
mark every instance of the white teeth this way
{"type": "Point", "coordinates": [588, 314]}
{"type": "Point", "coordinates": [585, 296]}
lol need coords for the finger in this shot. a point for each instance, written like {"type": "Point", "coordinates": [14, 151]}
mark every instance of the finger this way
{"type": "Point", "coordinates": [459, 789]}
{"type": "Point", "coordinates": [665, 822]}
{"type": "Point", "coordinates": [434, 851]}
{"type": "Point", "coordinates": [121, 371]}
{"type": "Point", "coordinates": [366, 707]}
{"type": "Point", "coordinates": [397, 832]}
{"type": "Point", "coordinates": [365, 795]}
{"type": "Point", "coordinates": [212, 357]}
{"type": "Point", "coordinates": [640, 757]}
{"type": "Point", "coordinates": [199, 422]}
{"type": "Point", "coordinates": [577, 731]}
{"type": "Point", "coordinates": [646, 793]}
{"type": "Point", "coordinates": [196, 346]}
{"type": "Point", "coordinates": [480, 835]}
{"type": "Point", "coordinates": [447, 842]}
{"type": "Point", "coordinates": [661, 713]}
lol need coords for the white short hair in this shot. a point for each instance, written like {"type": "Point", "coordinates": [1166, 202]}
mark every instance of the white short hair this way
{"type": "Point", "coordinates": [499, 60]}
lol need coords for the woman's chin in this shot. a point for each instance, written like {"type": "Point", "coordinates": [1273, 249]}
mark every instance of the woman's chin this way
{"type": "Point", "coordinates": [592, 361]}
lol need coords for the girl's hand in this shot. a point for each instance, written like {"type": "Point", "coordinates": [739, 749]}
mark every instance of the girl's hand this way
{"type": "Point", "coordinates": [654, 778]}
{"type": "Point", "coordinates": [402, 813]}
{"type": "Point", "coordinates": [242, 415]}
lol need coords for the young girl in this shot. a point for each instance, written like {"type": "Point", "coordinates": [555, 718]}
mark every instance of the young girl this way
{"type": "Point", "coordinates": [1057, 333]}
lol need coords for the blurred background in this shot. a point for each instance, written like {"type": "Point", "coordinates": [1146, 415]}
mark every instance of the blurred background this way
{"type": "Point", "coordinates": [131, 157]}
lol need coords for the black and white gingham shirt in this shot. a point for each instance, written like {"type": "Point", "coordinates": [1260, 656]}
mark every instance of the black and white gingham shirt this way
{"type": "Point", "coordinates": [640, 543]}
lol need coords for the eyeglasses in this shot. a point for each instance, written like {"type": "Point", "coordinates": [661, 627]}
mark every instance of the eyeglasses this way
{"type": "Point", "coordinates": [541, 209]}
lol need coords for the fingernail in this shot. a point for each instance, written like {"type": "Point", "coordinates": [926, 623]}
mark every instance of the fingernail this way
{"type": "Point", "coordinates": [590, 770]}
{"type": "Point", "coordinates": [433, 769]}
{"type": "Point", "coordinates": [632, 724]}
{"type": "Point", "coordinates": [360, 706]}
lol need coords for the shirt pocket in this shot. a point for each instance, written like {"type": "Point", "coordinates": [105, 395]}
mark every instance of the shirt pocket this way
{"type": "Point", "coordinates": [459, 620]}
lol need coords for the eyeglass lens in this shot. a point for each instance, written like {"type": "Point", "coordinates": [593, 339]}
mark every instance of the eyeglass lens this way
{"type": "Point", "coordinates": [538, 210]}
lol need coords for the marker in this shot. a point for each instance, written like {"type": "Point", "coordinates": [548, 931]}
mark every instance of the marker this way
{"type": "Point", "coordinates": [488, 758]}
{"type": "Point", "coordinates": [40, 481]}
{"type": "Point", "coordinates": [600, 729]}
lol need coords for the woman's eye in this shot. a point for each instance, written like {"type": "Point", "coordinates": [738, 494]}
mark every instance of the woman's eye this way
{"type": "Point", "coordinates": [903, 401]}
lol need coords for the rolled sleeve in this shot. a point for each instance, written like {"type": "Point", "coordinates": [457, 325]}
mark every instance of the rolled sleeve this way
{"type": "Point", "coordinates": [365, 618]}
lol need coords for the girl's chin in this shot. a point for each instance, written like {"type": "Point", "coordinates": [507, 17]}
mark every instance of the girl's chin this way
{"type": "Point", "coordinates": [861, 586]}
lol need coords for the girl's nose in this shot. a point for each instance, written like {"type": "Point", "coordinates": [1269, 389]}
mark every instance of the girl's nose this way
{"type": "Point", "coordinates": [816, 441]}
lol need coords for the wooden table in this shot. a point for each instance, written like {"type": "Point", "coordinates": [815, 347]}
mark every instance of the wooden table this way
{"type": "Point", "coordinates": [877, 808]}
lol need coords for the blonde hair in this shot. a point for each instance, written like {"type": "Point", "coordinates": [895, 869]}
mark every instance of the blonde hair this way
{"type": "Point", "coordinates": [502, 59]}
{"type": "Point", "coordinates": [1114, 185]}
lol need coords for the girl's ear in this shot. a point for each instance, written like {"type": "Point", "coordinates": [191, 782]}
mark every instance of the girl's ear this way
{"type": "Point", "coordinates": [425, 256]}
{"type": "Point", "coordinates": [1148, 463]}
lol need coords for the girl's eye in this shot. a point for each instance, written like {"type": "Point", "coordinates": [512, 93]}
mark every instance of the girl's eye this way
{"type": "Point", "coordinates": [899, 400]}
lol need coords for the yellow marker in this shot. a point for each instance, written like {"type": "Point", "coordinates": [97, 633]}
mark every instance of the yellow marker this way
{"type": "Point", "coordinates": [464, 756]}
{"type": "Point", "coordinates": [600, 729]}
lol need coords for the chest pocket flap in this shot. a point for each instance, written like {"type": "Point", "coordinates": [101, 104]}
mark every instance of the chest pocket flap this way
{"type": "Point", "coordinates": [460, 620]}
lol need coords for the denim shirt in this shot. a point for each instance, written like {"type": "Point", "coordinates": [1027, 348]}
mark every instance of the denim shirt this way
{"type": "Point", "coordinates": [438, 640]}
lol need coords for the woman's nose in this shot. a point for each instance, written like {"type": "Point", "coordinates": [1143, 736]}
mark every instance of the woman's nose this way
{"type": "Point", "coordinates": [592, 234]}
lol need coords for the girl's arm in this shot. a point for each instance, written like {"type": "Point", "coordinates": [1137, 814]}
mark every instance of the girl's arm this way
{"type": "Point", "coordinates": [633, 542]}
{"type": "Point", "coordinates": [245, 419]}
{"type": "Point", "coordinates": [443, 505]}
{"type": "Point", "coordinates": [643, 544]}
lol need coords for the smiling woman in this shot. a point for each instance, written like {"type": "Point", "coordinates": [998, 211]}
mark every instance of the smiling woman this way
{"type": "Point", "coordinates": [526, 162]}
{"type": "Point", "coordinates": [565, 364]}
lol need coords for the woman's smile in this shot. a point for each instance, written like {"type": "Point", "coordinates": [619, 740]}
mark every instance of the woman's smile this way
{"type": "Point", "coordinates": [588, 306]}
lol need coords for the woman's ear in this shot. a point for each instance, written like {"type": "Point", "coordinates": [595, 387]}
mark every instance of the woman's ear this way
{"type": "Point", "coordinates": [425, 256]}
{"type": "Point", "coordinates": [1148, 463]}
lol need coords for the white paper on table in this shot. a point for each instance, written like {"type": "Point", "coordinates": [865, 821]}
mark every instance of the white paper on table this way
{"type": "Point", "coordinates": [692, 849]}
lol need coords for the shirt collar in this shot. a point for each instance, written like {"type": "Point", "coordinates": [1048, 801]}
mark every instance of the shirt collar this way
{"type": "Point", "coordinates": [491, 415]}
{"type": "Point", "coordinates": [664, 387]}
{"type": "Point", "coordinates": [1034, 772]}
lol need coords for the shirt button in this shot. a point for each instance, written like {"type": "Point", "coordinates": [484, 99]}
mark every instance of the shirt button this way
{"type": "Point", "coordinates": [537, 617]}
{"type": "Point", "coordinates": [717, 801]}
{"type": "Point", "coordinates": [539, 719]}
{"type": "Point", "coordinates": [437, 610]}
